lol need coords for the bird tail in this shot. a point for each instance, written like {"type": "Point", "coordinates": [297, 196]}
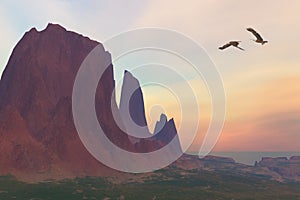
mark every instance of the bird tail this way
{"type": "Point", "coordinates": [240, 48]}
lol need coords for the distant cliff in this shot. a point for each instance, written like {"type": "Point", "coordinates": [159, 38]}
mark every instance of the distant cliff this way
{"type": "Point", "coordinates": [287, 168]}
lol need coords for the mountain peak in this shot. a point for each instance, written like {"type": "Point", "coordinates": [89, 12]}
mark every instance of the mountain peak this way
{"type": "Point", "coordinates": [132, 105]}
{"type": "Point", "coordinates": [52, 28]}
{"type": "Point", "coordinates": [33, 30]}
{"type": "Point", "coordinates": [129, 76]}
{"type": "Point", "coordinates": [163, 117]}
{"type": "Point", "coordinates": [49, 28]}
{"type": "Point", "coordinates": [132, 99]}
{"type": "Point", "coordinates": [161, 123]}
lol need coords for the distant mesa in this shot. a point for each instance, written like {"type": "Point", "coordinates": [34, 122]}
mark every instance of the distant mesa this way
{"type": "Point", "coordinates": [295, 158]}
{"type": "Point", "coordinates": [288, 169]}
{"type": "Point", "coordinates": [211, 158]}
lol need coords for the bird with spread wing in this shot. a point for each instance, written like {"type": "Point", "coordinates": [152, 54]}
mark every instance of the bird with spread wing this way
{"type": "Point", "coordinates": [259, 39]}
{"type": "Point", "coordinates": [231, 43]}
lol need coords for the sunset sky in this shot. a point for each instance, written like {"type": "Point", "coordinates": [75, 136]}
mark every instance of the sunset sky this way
{"type": "Point", "coordinates": [261, 84]}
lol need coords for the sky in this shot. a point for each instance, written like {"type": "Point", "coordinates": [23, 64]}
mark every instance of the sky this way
{"type": "Point", "coordinates": [261, 84]}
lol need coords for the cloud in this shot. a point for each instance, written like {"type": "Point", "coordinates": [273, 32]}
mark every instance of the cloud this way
{"type": "Point", "coordinates": [284, 124]}
{"type": "Point", "coordinates": [265, 117]}
{"type": "Point", "coordinates": [278, 131]}
{"type": "Point", "coordinates": [97, 19]}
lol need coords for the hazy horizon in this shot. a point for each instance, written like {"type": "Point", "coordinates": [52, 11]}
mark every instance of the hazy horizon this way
{"type": "Point", "coordinates": [249, 157]}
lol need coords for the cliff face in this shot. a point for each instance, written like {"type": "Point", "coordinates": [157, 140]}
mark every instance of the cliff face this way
{"type": "Point", "coordinates": [38, 136]}
{"type": "Point", "coordinates": [132, 109]}
{"type": "Point", "coordinates": [35, 100]}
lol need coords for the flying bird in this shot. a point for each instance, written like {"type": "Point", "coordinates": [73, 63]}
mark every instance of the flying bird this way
{"type": "Point", "coordinates": [231, 43]}
{"type": "Point", "coordinates": [259, 39]}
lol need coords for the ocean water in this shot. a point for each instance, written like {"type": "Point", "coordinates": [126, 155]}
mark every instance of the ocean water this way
{"type": "Point", "coordinates": [249, 158]}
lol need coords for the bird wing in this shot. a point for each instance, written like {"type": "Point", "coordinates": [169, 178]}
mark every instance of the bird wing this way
{"type": "Point", "coordinates": [255, 33]}
{"type": "Point", "coordinates": [234, 43]}
{"type": "Point", "coordinates": [225, 46]}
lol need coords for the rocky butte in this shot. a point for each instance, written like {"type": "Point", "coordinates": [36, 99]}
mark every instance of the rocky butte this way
{"type": "Point", "coordinates": [38, 136]}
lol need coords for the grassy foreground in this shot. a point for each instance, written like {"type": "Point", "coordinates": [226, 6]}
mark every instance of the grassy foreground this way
{"type": "Point", "coordinates": [168, 185]}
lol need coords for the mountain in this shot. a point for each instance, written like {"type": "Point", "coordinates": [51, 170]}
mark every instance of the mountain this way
{"type": "Point", "coordinates": [132, 113]}
{"type": "Point", "coordinates": [160, 124]}
{"type": "Point", "coordinates": [38, 139]}
{"type": "Point", "coordinates": [35, 106]}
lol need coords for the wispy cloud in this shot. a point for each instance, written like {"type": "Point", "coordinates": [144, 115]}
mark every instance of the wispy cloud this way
{"type": "Point", "coordinates": [264, 118]}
